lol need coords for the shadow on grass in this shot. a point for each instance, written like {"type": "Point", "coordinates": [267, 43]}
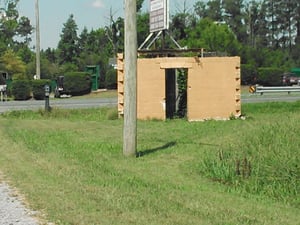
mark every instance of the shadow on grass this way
{"type": "Point", "coordinates": [161, 148]}
{"type": "Point", "coordinates": [208, 144]}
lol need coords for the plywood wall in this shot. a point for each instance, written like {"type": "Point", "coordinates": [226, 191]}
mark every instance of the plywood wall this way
{"type": "Point", "coordinates": [213, 87]}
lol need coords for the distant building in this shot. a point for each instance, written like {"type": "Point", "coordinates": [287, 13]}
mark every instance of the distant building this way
{"type": "Point", "coordinates": [3, 75]}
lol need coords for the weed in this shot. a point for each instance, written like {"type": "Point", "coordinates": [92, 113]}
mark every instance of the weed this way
{"type": "Point", "coordinates": [69, 163]}
{"type": "Point", "coordinates": [112, 114]}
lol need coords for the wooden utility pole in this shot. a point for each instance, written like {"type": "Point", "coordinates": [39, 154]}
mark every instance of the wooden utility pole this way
{"type": "Point", "coordinates": [38, 61]}
{"type": "Point", "coordinates": [130, 86]}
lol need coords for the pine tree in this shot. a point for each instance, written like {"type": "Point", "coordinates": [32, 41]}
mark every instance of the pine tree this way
{"type": "Point", "coordinates": [68, 49]}
{"type": "Point", "coordinates": [234, 17]}
{"type": "Point", "coordinates": [211, 9]}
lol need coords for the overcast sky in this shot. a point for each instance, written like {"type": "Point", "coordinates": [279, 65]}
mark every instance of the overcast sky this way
{"type": "Point", "coordinates": [92, 14]}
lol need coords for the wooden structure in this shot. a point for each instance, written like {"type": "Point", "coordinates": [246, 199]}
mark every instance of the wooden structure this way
{"type": "Point", "coordinates": [213, 87]}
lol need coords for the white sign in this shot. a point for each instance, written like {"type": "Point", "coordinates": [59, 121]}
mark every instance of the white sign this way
{"type": "Point", "coordinates": [156, 5]}
{"type": "Point", "coordinates": [159, 15]}
{"type": "Point", "coordinates": [2, 88]}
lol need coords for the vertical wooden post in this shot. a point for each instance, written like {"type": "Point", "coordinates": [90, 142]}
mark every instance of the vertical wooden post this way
{"type": "Point", "coordinates": [130, 85]}
{"type": "Point", "coordinates": [38, 66]}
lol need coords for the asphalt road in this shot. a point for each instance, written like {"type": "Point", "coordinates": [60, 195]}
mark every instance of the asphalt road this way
{"type": "Point", "coordinates": [57, 103]}
{"type": "Point", "coordinates": [70, 103]}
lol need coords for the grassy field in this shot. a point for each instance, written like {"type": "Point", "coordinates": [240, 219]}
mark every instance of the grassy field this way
{"type": "Point", "coordinates": [69, 166]}
{"type": "Point", "coordinates": [99, 94]}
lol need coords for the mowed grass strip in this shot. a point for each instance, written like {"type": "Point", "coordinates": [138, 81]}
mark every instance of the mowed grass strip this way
{"type": "Point", "coordinates": [69, 165]}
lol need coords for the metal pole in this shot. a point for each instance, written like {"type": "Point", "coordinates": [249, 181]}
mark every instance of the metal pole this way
{"type": "Point", "coordinates": [130, 86]}
{"type": "Point", "coordinates": [38, 62]}
{"type": "Point", "coordinates": [47, 93]}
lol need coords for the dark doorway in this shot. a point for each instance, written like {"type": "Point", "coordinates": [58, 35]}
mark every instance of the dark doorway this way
{"type": "Point", "coordinates": [3, 78]}
{"type": "Point", "coordinates": [176, 93]}
{"type": "Point", "coordinates": [170, 93]}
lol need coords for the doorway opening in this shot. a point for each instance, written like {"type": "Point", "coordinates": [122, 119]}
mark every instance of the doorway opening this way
{"type": "Point", "coordinates": [176, 93]}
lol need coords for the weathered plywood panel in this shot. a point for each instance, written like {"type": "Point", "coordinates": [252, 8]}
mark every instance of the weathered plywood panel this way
{"type": "Point", "coordinates": [213, 87]}
{"type": "Point", "coordinates": [150, 90]}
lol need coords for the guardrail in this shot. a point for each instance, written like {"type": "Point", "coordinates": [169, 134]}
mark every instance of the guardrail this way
{"type": "Point", "coordinates": [261, 89]}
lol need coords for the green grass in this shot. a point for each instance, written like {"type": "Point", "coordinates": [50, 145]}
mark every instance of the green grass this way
{"type": "Point", "coordinates": [99, 94]}
{"type": "Point", "coordinates": [69, 165]}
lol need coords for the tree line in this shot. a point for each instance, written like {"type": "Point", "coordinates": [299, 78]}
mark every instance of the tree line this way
{"type": "Point", "coordinates": [266, 34]}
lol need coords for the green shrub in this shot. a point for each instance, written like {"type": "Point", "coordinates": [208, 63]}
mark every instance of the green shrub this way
{"type": "Point", "coordinates": [77, 83]}
{"type": "Point", "coordinates": [112, 114]}
{"type": "Point", "coordinates": [269, 76]}
{"type": "Point", "coordinates": [38, 88]}
{"type": "Point", "coordinates": [248, 74]}
{"type": "Point", "coordinates": [111, 78]}
{"type": "Point", "coordinates": [9, 88]}
{"type": "Point", "coordinates": [21, 89]}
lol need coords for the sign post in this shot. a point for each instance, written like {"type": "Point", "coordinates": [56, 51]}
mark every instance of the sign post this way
{"type": "Point", "coordinates": [159, 23]}
{"type": "Point", "coordinates": [47, 94]}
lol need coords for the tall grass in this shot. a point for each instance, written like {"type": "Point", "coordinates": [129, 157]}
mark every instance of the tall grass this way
{"type": "Point", "coordinates": [263, 159]}
{"type": "Point", "coordinates": [69, 163]}
{"type": "Point", "coordinates": [93, 114]}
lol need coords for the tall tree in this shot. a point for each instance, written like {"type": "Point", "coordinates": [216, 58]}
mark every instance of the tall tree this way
{"type": "Point", "coordinates": [113, 32]}
{"type": "Point", "coordinates": [182, 20]}
{"type": "Point", "coordinates": [252, 21]}
{"type": "Point", "coordinates": [120, 33]}
{"type": "Point", "coordinates": [263, 29]}
{"type": "Point", "coordinates": [215, 10]}
{"type": "Point", "coordinates": [50, 55]}
{"type": "Point", "coordinates": [24, 30]}
{"type": "Point", "coordinates": [14, 30]}
{"type": "Point", "coordinates": [234, 17]}
{"type": "Point", "coordinates": [287, 19]}
{"type": "Point", "coordinates": [201, 9]}
{"type": "Point", "coordinates": [13, 65]}
{"type": "Point", "coordinates": [213, 37]}
{"type": "Point", "coordinates": [297, 19]}
{"type": "Point", "coordinates": [142, 27]}
{"type": "Point", "coordinates": [211, 9]}
{"type": "Point", "coordinates": [296, 47]}
{"type": "Point", "coordinates": [139, 4]}
{"type": "Point", "coordinates": [9, 24]}
{"type": "Point", "coordinates": [271, 13]}
{"type": "Point", "coordinates": [83, 40]}
{"type": "Point", "coordinates": [68, 45]}
{"type": "Point", "coordinates": [179, 24]}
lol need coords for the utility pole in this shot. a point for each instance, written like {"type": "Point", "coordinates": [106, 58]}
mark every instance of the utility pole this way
{"type": "Point", "coordinates": [130, 85]}
{"type": "Point", "coordinates": [38, 61]}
